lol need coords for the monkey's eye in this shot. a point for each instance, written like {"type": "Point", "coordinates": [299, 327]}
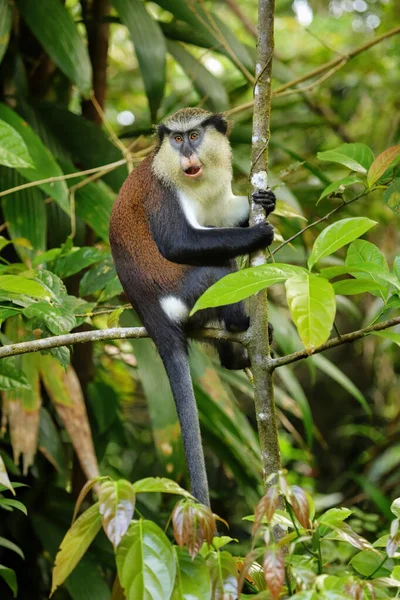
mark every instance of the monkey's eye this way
{"type": "Point", "coordinates": [194, 135]}
{"type": "Point", "coordinates": [178, 139]}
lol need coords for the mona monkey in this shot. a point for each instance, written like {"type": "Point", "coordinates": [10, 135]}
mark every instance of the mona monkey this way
{"type": "Point", "coordinates": [176, 228]}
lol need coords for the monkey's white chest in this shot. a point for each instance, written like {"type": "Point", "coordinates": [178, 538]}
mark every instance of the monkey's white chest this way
{"type": "Point", "coordinates": [216, 210]}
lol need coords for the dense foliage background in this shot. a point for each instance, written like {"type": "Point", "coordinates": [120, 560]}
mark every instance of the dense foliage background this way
{"type": "Point", "coordinates": [82, 83]}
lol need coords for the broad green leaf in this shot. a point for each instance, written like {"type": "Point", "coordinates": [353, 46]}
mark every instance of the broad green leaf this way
{"type": "Point", "coordinates": [388, 335]}
{"type": "Point", "coordinates": [45, 165]}
{"type": "Point", "coordinates": [145, 562]}
{"type": "Point", "coordinates": [52, 373]}
{"type": "Point", "coordinates": [330, 369]}
{"type": "Point", "coordinates": [10, 578]}
{"type": "Point", "coordinates": [159, 484]}
{"type": "Point", "coordinates": [11, 503]}
{"type": "Point", "coordinates": [93, 205]}
{"type": "Point", "coordinates": [242, 284]}
{"type": "Point", "coordinates": [116, 506]}
{"type": "Point", "coordinates": [192, 577]}
{"type": "Point", "coordinates": [360, 270]}
{"type": "Point", "coordinates": [207, 85]}
{"type": "Point", "coordinates": [357, 157]}
{"type": "Point", "coordinates": [349, 287]}
{"type": "Point", "coordinates": [97, 277]}
{"type": "Point", "coordinates": [311, 301]}
{"type": "Point", "coordinates": [11, 546]}
{"type": "Point", "coordinates": [30, 203]}
{"type": "Point", "coordinates": [11, 377]}
{"type": "Point", "coordinates": [150, 48]}
{"type": "Point", "coordinates": [56, 318]}
{"type": "Point", "coordinates": [75, 543]}
{"type": "Point", "coordinates": [333, 516]}
{"type": "Point", "coordinates": [339, 186]}
{"type": "Point", "coordinates": [396, 267]}
{"type": "Point", "coordinates": [13, 150]}
{"type": "Point", "coordinates": [363, 252]}
{"type": "Point", "coordinates": [4, 479]}
{"type": "Point", "coordinates": [22, 285]}
{"type": "Point", "coordinates": [5, 26]}
{"type": "Point", "coordinates": [76, 260]}
{"type": "Point", "coordinates": [392, 196]}
{"type": "Point", "coordinates": [55, 29]}
{"type": "Point", "coordinates": [224, 575]}
{"type": "Point", "coordinates": [337, 235]}
{"type": "Point", "coordinates": [283, 209]}
{"type": "Point", "coordinates": [366, 563]}
{"type": "Point", "coordinates": [50, 441]}
{"type": "Point", "coordinates": [381, 163]}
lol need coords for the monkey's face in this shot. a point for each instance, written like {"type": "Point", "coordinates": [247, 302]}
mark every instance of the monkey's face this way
{"type": "Point", "coordinates": [187, 144]}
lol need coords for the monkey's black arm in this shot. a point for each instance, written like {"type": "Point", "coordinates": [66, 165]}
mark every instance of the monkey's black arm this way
{"type": "Point", "coordinates": [180, 242]}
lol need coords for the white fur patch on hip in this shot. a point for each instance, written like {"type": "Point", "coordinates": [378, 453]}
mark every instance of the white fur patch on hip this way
{"type": "Point", "coordinates": [174, 308]}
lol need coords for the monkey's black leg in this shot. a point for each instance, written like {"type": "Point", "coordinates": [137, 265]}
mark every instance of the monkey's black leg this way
{"type": "Point", "coordinates": [234, 316]}
{"type": "Point", "coordinates": [233, 356]}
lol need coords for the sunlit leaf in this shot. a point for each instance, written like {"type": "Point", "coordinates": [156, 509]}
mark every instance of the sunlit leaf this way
{"type": "Point", "coordinates": [242, 284]}
{"type": "Point", "coordinates": [357, 157]}
{"type": "Point", "coordinates": [381, 163]}
{"type": "Point", "coordinates": [349, 287]}
{"type": "Point", "coordinates": [13, 150]}
{"type": "Point", "coordinates": [337, 235]}
{"type": "Point", "coordinates": [56, 318]}
{"type": "Point", "coordinates": [150, 48]}
{"type": "Point", "coordinates": [311, 300]}
{"type": "Point", "coordinates": [11, 376]}
{"type": "Point", "coordinates": [339, 186]}
{"type": "Point", "coordinates": [116, 506]}
{"type": "Point", "coordinates": [4, 479]}
{"type": "Point", "coordinates": [192, 577]}
{"type": "Point", "coordinates": [75, 543]}
{"type": "Point", "coordinates": [54, 27]}
{"type": "Point", "coordinates": [362, 252]}
{"type": "Point", "coordinates": [22, 285]}
{"type": "Point", "coordinates": [388, 335]}
{"type": "Point", "coordinates": [392, 196]}
{"type": "Point", "coordinates": [159, 484]}
{"type": "Point", "coordinates": [283, 209]}
{"type": "Point", "coordinates": [145, 562]}
{"type": "Point", "coordinates": [334, 516]}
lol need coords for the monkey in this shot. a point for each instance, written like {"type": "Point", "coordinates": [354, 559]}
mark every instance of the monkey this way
{"type": "Point", "coordinates": [175, 229]}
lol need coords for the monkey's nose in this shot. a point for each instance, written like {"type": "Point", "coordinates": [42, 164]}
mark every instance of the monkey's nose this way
{"type": "Point", "coordinates": [191, 166]}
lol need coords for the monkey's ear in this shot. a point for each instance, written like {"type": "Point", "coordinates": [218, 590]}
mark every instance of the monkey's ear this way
{"type": "Point", "coordinates": [162, 130]}
{"type": "Point", "coordinates": [219, 122]}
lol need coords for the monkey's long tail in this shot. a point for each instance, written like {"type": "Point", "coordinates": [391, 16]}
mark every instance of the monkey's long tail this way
{"type": "Point", "coordinates": [177, 366]}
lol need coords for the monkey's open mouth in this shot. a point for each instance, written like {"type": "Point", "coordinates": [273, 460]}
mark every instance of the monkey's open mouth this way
{"type": "Point", "coordinates": [193, 171]}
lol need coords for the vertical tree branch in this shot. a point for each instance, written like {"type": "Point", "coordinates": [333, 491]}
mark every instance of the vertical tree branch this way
{"type": "Point", "coordinates": [259, 345]}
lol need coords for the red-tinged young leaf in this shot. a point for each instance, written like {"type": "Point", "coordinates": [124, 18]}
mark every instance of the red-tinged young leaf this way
{"type": "Point", "coordinates": [193, 525]}
{"type": "Point", "coordinates": [354, 590]}
{"type": "Point", "coordinates": [381, 163]}
{"type": "Point", "coordinates": [300, 505]}
{"type": "Point", "coordinates": [117, 503]}
{"type": "Point", "coordinates": [145, 562]}
{"type": "Point", "coordinates": [4, 479]}
{"type": "Point", "coordinates": [344, 532]}
{"type": "Point", "coordinates": [224, 576]}
{"type": "Point", "coordinates": [83, 493]}
{"type": "Point", "coordinates": [274, 570]}
{"type": "Point", "coordinates": [392, 544]}
{"type": "Point", "coordinates": [283, 486]}
{"type": "Point", "coordinates": [75, 543]}
{"type": "Point", "coordinates": [243, 566]}
{"type": "Point", "coordinates": [266, 507]}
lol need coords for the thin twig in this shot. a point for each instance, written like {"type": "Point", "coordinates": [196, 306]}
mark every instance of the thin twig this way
{"type": "Point", "coordinates": [332, 343]}
{"type": "Point", "coordinates": [310, 87]}
{"type": "Point", "coordinates": [251, 28]}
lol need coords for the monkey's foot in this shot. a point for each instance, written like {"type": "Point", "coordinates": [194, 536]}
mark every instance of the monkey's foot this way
{"type": "Point", "coordinates": [266, 198]}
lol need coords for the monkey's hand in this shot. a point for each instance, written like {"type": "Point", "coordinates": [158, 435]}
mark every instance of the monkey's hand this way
{"type": "Point", "coordinates": [266, 198]}
{"type": "Point", "coordinates": [266, 232]}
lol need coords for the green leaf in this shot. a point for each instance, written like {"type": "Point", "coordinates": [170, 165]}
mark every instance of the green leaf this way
{"type": "Point", "coordinates": [395, 507]}
{"type": "Point", "coordinates": [311, 301]}
{"type": "Point", "coordinates": [366, 563]}
{"type": "Point", "coordinates": [396, 267]}
{"type": "Point", "coordinates": [361, 270]}
{"type": "Point", "coordinates": [388, 335]}
{"type": "Point", "coordinates": [57, 319]}
{"type": "Point", "coordinates": [150, 48]}
{"type": "Point", "coordinates": [22, 285]}
{"type": "Point", "coordinates": [116, 506]}
{"type": "Point", "coordinates": [349, 287]}
{"type": "Point", "coordinates": [93, 205]}
{"type": "Point", "coordinates": [159, 484]}
{"type": "Point", "coordinates": [11, 377]}
{"type": "Point", "coordinates": [357, 157]}
{"type": "Point", "coordinates": [97, 277]}
{"type": "Point", "coordinates": [192, 577]}
{"type": "Point", "coordinates": [5, 26]}
{"type": "Point", "coordinates": [145, 562]}
{"type": "Point", "coordinates": [337, 235]}
{"type": "Point", "coordinates": [76, 260]}
{"type": "Point", "coordinates": [361, 252]}
{"type": "Point", "coordinates": [4, 479]}
{"type": "Point", "coordinates": [50, 441]}
{"type": "Point", "coordinates": [75, 543]}
{"type": "Point", "coordinates": [45, 165]}
{"type": "Point", "coordinates": [392, 196]}
{"type": "Point", "coordinates": [55, 29]}
{"type": "Point", "coordinates": [333, 516]}
{"type": "Point", "coordinates": [206, 84]}
{"type": "Point", "coordinates": [283, 209]}
{"type": "Point", "coordinates": [224, 575]}
{"type": "Point", "coordinates": [10, 578]}
{"type": "Point", "coordinates": [27, 202]}
{"type": "Point", "coordinates": [381, 163]}
{"type": "Point", "coordinates": [327, 367]}
{"type": "Point", "coordinates": [13, 150]}
{"type": "Point", "coordinates": [242, 284]}
{"type": "Point", "coordinates": [10, 502]}
{"type": "Point", "coordinates": [11, 546]}
{"type": "Point", "coordinates": [339, 185]}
